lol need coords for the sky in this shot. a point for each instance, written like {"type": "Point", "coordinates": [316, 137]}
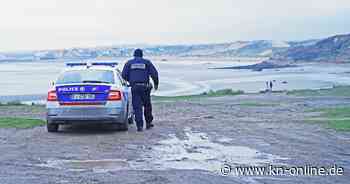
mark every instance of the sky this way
{"type": "Point", "coordinates": [54, 24]}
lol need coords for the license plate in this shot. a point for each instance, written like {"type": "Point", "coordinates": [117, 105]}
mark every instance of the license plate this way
{"type": "Point", "coordinates": [82, 96]}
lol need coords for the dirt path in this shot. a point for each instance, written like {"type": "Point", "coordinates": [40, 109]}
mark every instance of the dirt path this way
{"type": "Point", "coordinates": [190, 143]}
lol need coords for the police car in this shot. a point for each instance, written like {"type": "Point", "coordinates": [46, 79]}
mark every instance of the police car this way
{"type": "Point", "coordinates": [89, 92]}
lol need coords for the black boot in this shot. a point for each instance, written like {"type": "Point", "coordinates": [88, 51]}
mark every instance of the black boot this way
{"type": "Point", "coordinates": [149, 125]}
{"type": "Point", "coordinates": [139, 129]}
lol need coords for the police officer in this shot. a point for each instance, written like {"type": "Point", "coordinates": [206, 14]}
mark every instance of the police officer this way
{"type": "Point", "coordinates": [137, 72]}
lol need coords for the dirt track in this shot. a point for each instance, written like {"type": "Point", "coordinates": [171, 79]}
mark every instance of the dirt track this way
{"type": "Point", "coordinates": [189, 144]}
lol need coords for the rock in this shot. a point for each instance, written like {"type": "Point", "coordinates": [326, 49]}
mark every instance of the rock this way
{"type": "Point", "coordinates": [208, 117]}
{"type": "Point", "coordinates": [260, 66]}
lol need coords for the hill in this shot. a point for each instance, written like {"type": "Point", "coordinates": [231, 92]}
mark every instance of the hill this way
{"type": "Point", "coordinates": [335, 48]}
{"type": "Point", "coordinates": [332, 49]}
{"type": "Point", "coordinates": [260, 48]}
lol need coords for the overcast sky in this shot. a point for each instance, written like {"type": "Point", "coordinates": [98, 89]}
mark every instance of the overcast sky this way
{"type": "Point", "coordinates": [49, 24]}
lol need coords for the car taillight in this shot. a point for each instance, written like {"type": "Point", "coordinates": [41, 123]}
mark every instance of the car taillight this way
{"type": "Point", "coordinates": [51, 96]}
{"type": "Point", "coordinates": [114, 95]}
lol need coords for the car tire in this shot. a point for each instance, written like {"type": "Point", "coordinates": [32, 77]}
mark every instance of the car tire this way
{"type": "Point", "coordinates": [124, 126]}
{"type": "Point", "coordinates": [120, 127]}
{"type": "Point", "coordinates": [51, 127]}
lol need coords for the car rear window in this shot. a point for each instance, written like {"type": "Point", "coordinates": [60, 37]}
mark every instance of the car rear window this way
{"type": "Point", "coordinates": [86, 76]}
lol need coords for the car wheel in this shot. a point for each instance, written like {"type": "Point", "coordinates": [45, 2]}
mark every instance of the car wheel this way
{"type": "Point", "coordinates": [124, 126]}
{"type": "Point", "coordinates": [120, 127]}
{"type": "Point", "coordinates": [51, 127]}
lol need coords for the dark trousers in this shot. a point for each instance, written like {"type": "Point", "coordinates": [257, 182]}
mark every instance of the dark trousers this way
{"type": "Point", "coordinates": [141, 97]}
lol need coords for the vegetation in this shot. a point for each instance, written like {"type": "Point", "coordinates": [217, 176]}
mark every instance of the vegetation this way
{"type": "Point", "coordinates": [211, 93]}
{"type": "Point", "coordinates": [341, 125]}
{"type": "Point", "coordinates": [335, 91]}
{"type": "Point", "coordinates": [223, 92]}
{"type": "Point", "coordinates": [257, 104]}
{"type": "Point", "coordinates": [22, 108]}
{"type": "Point", "coordinates": [12, 103]}
{"type": "Point", "coordinates": [337, 118]}
{"type": "Point", "coordinates": [8, 122]}
{"type": "Point", "coordinates": [15, 103]}
{"type": "Point", "coordinates": [338, 112]}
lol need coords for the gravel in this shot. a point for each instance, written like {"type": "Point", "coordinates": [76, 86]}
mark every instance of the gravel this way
{"type": "Point", "coordinates": [92, 154]}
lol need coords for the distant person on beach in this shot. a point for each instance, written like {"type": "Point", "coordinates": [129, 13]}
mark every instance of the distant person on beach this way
{"type": "Point", "coordinates": [271, 85]}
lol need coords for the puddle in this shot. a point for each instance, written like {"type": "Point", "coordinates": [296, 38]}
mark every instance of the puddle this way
{"type": "Point", "coordinates": [195, 151]}
{"type": "Point", "coordinates": [84, 165]}
{"type": "Point", "coordinates": [224, 140]}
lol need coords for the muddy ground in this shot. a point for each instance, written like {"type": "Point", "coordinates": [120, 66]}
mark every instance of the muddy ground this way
{"type": "Point", "coordinates": [190, 143]}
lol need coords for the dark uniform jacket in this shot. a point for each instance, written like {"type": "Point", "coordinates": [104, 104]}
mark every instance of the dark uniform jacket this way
{"type": "Point", "coordinates": [138, 70]}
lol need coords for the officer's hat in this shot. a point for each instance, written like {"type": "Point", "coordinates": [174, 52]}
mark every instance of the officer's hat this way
{"type": "Point", "coordinates": [138, 53]}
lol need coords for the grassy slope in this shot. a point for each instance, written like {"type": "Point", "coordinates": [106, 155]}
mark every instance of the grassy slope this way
{"type": "Point", "coordinates": [337, 118]}
{"type": "Point", "coordinates": [8, 122]}
{"type": "Point", "coordinates": [336, 91]}
{"type": "Point", "coordinates": [19, 122]}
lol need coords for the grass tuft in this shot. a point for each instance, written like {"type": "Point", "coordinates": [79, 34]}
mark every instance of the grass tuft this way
{"type": "Point", "coordinates": [257, 104]}
{"type": "Point", "coordinates": [343, 91]}
{"type": "Point", "coordinates": [12, 103]}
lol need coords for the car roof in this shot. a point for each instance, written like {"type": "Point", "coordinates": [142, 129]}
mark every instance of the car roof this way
{"type": "Point", "coordinates": [92, 65]}
{"type": "Point", "coordinates": [75, 68]}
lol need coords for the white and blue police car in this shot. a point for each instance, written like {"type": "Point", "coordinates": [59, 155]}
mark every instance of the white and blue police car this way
{"type": "Point", "coordinates": [89, 92]}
